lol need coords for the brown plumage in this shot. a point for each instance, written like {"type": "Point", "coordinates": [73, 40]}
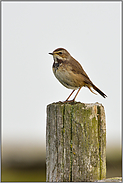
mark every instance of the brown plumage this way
{"type": "Point", "coordinates": [70, 73]}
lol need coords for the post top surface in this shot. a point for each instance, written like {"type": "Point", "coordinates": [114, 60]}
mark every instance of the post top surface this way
{"type": "Point", "coordinates": [76, 103]}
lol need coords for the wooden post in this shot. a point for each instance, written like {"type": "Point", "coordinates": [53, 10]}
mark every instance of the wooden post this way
{"type": "Point", "coordinates": [75, 142]}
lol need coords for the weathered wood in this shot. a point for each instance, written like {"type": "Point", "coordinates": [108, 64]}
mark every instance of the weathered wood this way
{"type": "Point", "coordinates": [75, 142]}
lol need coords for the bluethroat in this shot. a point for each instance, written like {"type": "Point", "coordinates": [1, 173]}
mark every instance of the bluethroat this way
{"type": "Point", "coordinates": [70, 73]}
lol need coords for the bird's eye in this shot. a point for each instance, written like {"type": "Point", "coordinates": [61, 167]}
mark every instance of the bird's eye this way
{"type": "Point", "coordinates": [60, 53]}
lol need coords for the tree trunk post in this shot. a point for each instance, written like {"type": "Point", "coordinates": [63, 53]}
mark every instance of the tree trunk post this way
{"type": "Point", "coordinates": [75, 142]}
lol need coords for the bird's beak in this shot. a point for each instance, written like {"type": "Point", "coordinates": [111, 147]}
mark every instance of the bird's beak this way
{"type": "Point", "coordinates": [51, 53]}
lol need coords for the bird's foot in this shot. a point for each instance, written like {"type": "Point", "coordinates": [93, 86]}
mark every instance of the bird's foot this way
{"type": "Point", "coordinates": [69, 101]}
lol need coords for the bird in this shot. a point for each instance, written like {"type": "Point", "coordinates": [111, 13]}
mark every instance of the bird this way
{"type": "Point", "coordinates": [71, 74]}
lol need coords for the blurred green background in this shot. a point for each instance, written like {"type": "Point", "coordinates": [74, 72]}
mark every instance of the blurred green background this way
{"type": "Point", "coordinates": [28, 164]}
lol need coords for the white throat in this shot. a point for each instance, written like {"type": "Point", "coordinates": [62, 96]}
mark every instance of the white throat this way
{"type": "Point", "coordinates": [57, 57]}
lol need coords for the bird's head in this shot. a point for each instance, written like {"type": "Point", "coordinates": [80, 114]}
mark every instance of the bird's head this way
{"type": "Point", "coordinates": [61, 54]}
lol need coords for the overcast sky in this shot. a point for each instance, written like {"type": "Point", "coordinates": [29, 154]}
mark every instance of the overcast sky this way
{"type": "Point", "coordinates": [90, 31]}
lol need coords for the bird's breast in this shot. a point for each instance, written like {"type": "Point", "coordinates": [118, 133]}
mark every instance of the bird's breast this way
{"type": "Point", "coordinates": [63, 75]}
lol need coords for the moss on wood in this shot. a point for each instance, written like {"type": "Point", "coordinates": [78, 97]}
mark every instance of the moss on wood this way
{"type": "Point", "coordinates": [76, 142]}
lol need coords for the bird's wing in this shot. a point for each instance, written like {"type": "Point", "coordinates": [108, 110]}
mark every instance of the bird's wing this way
{"type": "Point", "coordinates": [76, 68]}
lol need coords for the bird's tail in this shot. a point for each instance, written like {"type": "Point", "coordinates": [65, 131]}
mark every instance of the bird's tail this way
{"type": "Point", "coordinates": [99, 91]}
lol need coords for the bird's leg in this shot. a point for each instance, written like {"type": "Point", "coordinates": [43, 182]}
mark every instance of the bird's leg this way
{"type": "Point", "coordinates": [77, 93]}
{"type": "Point", "coordinates": [69, 96]}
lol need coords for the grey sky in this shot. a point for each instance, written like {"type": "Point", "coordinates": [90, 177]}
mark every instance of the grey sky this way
{"type": "Point", "coordinates": [90, 31]}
